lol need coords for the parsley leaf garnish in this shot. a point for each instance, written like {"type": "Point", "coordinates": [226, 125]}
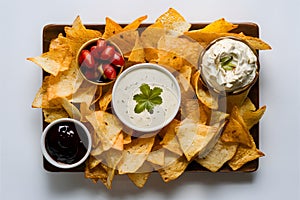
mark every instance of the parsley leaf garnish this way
{"type": "Point", "coordinates": [147, 99]}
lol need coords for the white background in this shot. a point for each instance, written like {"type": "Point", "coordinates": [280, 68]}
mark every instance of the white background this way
{"type": "Point", "coordinates": [21, 173]}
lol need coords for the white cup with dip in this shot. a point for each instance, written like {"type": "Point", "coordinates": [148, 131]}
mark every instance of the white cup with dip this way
{"type": "Point", "coordinates": [128, 85]}
{"type": "Point", "coordinates": [66, 143]}
{"type": "Point", "coordinates": [229, 68]}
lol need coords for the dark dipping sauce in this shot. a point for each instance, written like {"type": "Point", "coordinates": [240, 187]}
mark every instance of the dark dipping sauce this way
{"type": "Point", "coordinates": [66, 142]}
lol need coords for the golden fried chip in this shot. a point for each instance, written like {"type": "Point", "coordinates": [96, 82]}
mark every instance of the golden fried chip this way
{"type": "Point", "coordinates": [57, 59]}
{"type": "Point", "coordinates": [119, 143]}
{"type": "Point", "coordinates": [126, 138]}
{"type": "Point", "coordinates": [184, 77]}
{"type": "Point", "coordinates": [183, 47]}
{"type": "Point", "coordinates": [244, 155]}
{"type": "Point", "coordinates": [249, 113]}
{"type": "Point", "coordinates": [79, 33]}
{"type": "Point", "coordinates": [72, 110]}
{"type": "Point", "coordinates": [95, 172]}
{"type": "Point", "coordinates": [170, 140]}
{"type": "Point", "coordinates": [97, 148]}
{"type": "Point", "coordinates": [92, 162]}
{"type": "Point", "coordinates": [105, 100]}
{"type": "Point", "coordinates": [84, 110]}
{"type": "Point", "coordinates": [111, 28]}
{"type": "Point", "coordinates": [125, 40]}
{"type": "Point", "coordinates": [152, 34]}
{"type": "Point", "coordinates": [65, 83]}
{"type": "Point", "coordinates": [141, 176]}
{"type": "Point", "coordinates": [170, 59]}
{"type": "Point", "coordinates": [205, 38]}
{"type": "Point", "coordinates": [173, 168]}
{"type": "Point", "coordinates": [218, 156]}
{"type": "Point", "coordinates": [51, 114]}
{"type": "Point", "coordinates": [217, 117]}
{"type": "Point", "coordinates": [157, 157]}
{"type": "Point", "coordinates": [199, 138]}
{"type": "Point", "coordinates": [191, 108]}
{"type": "Point", "coordinates": [219, 26]}
{"type": "Point", "coordinates": [203, 95]}
{"type": "Point", "coordinates": [41, 98]}
{"type": "Point", "coordinates": [236, 130]}
{"type": "Point", "coordinates": [137, 54]}
{"type": "Point", "coordinates": [139, 179]}
{"type": "Point", "coordinates": [135, 24]}
{"type": "Point", "coordinates": [135, 154]}
{"type": "Point", "coordinates": [85, 94]}
{"type": "Point", "coordinates": [106, 126]}
{"type": "Point", "coordinates": [174, 22]}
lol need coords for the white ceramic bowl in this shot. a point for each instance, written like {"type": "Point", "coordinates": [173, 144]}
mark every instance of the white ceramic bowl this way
{"type": "Point", "coordinates": [128, 84]}
{"type": "Point", "coordinates": [85, 134]}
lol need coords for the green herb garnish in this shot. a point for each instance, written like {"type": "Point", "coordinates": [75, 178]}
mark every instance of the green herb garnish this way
{"type": "Point", "coordinates": [147, 99]}
{"type": "Point", "coordinates": [226, 63]}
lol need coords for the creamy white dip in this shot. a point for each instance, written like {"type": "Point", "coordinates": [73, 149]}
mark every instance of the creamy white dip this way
{"type": "Point", "coordinates": [228, 65]}
{"type": "Point", "coordinates": [128, 84]}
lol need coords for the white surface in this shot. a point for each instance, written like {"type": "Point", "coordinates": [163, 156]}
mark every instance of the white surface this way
{"type": "Point", "coordinates": [21, 172]}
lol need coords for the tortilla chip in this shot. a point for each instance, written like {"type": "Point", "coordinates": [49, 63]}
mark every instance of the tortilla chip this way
{"type": "Point", "coordinates": [52, 114]}
{"type": "Point", "coordinates": [105, 100]}
{"type": "Point", "coordinates": [106, 126]}
{"type": "Point", "coordinates": [135, 24]}
{"type": "Point", "coordinates": [111, 28]}
{"type": "Point", "coordinates": [183, 47]}
{"type": "Point", "coordinates": [170, 140]}
{"type": "Point", "coordinates": [218, 156]}
{"type": "Point", "coordinates": [139, 179]}
{"type": "Point", "coordinates": [236, 130]}
{"type": "Point", "coordinates": [174, 167]}
{"type": "Point", "coordinates": [152, 34]}
{"type": "Point", "coordinates": [65, 83]}
{"type": "Point", "coordinates": [205, 96]}
{"type": "Point", "coordinates": [92, 162]}
{"type": "Point", "coordinates": [174, 22]}
{"type": "Point", "coordinates": [200, 136]}
{"type": "Point", "coordinates": [142, 175]}
{"type": "Point", "coordinates": [57, 59]}
{"type": "Point", "coordinates": [244, 155]}
{"type": "Point", "coordinates": [218, 117]}
{"type": "Point", "coordinates": [249, 113]}
{"type": "Point", "coordinates": [157, 157]}
{"type": "Point", "coordinates": [119, 143]}
{"type": "Point", "coordinates": [219, 26]}
{"type": "Point", "coordinates": [72, 110]}
{"type": "Point", "coordinates": [205, 38]}
{"type": "Point", "coordinates": [85, 93]}
{"type": "Point", "coordinates": [79, 34]}
{"type": "Point", "coordinates": [41, 98]}
{"type": "Point", "coordinates": [135, 154]}
{"type": "Point", "coordinates": [125, 40]}
{"type": "Point", "coordinates": [126, 137]}
{"type": "Point", "coordinates": [137, 54]}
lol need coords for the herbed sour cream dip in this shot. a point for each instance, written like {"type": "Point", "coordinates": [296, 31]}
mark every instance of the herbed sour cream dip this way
{"type": "Point", "coordinates": [229, 65]}
{"type": "Point", "coordinates": [128, 84]}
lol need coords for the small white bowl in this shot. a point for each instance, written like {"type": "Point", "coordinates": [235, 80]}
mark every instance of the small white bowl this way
{"type": "Point", "coordinates": [127, 85]}
{"type": "Point", "coordinates": [84, 133]}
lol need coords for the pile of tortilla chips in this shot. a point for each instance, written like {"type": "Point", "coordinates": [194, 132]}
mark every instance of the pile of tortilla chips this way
{"type": "Point", "coordinates": [201, 132]}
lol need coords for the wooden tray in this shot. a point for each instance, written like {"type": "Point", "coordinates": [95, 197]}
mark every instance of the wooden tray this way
{"type": "Point", "coordinates": [51, 31]}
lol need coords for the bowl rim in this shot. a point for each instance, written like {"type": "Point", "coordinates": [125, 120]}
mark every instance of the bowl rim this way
{"type": "Point", "coordinates": [228, 92]}
{"type": "Point", "coordinates": [142, 66]}
{"type": "Point", "coordinates": [60, 164]}
{"type": "Point", "coordinates": [83, 46]}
